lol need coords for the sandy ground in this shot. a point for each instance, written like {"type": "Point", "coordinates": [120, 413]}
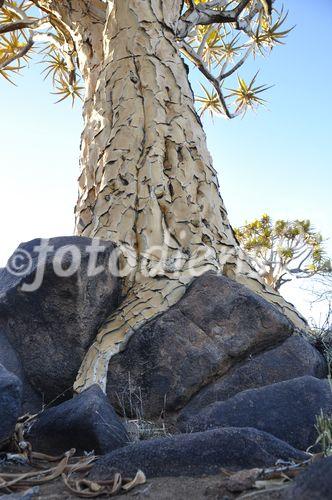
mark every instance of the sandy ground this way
{"type": "Point", "coordinates": [173, 488]}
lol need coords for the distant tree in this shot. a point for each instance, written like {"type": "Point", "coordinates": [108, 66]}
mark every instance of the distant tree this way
{"type": "Point", "coordinates": [282, 250]}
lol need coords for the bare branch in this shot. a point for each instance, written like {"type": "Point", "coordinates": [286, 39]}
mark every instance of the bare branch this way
{"type": "Point", "coordinates": [208, 5]}
{"type": "Point", "coordinates": [30, 23]}
{"type": "Point", "coordinates": [209, 16]}
{"type": "Point", "coordinates": [306, 257]}
{"type": "Point", "coordinates": [189, 51]}
{"type": "Point", "coordinates": [203, 14]}
{"type": "Point", "coordinates": [299, 269]}
{"type": "Point", "coordinates": [281, 281]}
{"type": "Point", "coordinates": [223, 75]}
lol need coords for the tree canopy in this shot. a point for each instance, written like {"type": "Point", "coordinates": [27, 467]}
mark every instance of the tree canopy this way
{"type": "Point", "coordinates": [284, 249]}
{"type": "Point", "coordinates": [217, 36]}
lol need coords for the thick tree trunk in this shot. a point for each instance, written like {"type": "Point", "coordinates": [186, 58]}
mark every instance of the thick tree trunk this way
{"type": "Point", "coordinates": [147, 180]}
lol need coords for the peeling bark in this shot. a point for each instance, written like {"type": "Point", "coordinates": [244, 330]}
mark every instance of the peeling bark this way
{"type": "Point", "coordinates": [147, 178]}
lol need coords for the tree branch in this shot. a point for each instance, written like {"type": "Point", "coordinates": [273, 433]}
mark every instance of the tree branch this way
{"type": "Point", "coordinates": [204, 14]}
{"type": "Point", "coordinates": [24, 22]}
{"type": "Point", "coordinates": [209, 16]}
{"type": "Point", "coordinates": [189, 51]}
{"type": "Point", "coordinates": [192, 5]}
{"type": "Point", "coordinates": [30, 23]}
{"type": "Point", "coordinates": [228, 73]}
{"type": "Point", "coordinates": [20, 53]}
{"type": "Point", "coordinates": [215, 3]}
{"type": "Point", "coordinates": [203, 42]}
{"type": "Point", "coordinates": [281, 281]}
{"type": "Point", "coordinates": [63, 48]}
{"type": "Point", "coordinates": [78, 22]}
{"type": "Point", "coordinates": [299, 269]}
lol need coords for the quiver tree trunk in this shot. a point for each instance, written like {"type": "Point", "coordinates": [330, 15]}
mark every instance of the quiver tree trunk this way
{"type": "Point", "coordinates": [147, 180]}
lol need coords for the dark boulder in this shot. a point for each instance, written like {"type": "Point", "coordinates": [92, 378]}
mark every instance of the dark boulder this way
{"type": "Point", "coordinates": [52, 327]}
{"type": "Point", "coordinates": [31, 400]}
{"type": "Point", "coordinates": [215, 325]}
{"type": "Point", "coordinates": [197, 454]}
{"type": "Point", "coordinates": [287, 410]}
{"type": "Point", "coordinates": [10, 403]}
{"type": "Point", "coordinates": [294, 358]}
{"type": "Point", "coordinates": [314, 483]}
{"type": "Point", "coordinates": [87, 422]}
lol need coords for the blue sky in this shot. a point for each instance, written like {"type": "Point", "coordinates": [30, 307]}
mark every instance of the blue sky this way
{"type": "Point", "coordinates": [277, 161]}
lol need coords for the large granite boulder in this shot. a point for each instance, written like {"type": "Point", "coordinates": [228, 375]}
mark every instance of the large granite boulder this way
{"type": "Point", "coordinates": [10, 403]}
{"type": "Point", "coordinates": [294, 358]}
{"type": "Point", "coordinates": [287, 410]}
{"type": "Point", "coordinates": [31, 400]}
{"type": "Point", "coordinates": [197, 454]}
{"type": "Point", "coordinates": [52, 327]}
{"type": "Point", "coordinates": [314, 483]}
{"type": "Point", "coordinates": [217, 324]}
{"type": "Point", "coordinates": [87, 423]}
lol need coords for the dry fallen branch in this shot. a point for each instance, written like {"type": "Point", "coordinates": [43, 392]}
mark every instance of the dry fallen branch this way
{"type": "Point", "coordinates": [263, 480]}
{"type": "Point", "coordinates": [68, 468]}
{"type": "Point", "coordinates": [91, 489]}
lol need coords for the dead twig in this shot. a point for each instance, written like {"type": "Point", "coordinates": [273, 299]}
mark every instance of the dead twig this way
{"type": "Point", "coordinates": [69, 468]}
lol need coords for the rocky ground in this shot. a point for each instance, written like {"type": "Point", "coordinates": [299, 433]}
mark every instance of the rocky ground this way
{"type": "Point", "coordinates": [313, 482]}
{"type": "Point", "coordinates": [216, 398]}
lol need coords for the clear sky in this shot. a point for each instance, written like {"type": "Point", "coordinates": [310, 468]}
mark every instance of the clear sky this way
{"type": "Point", "coordinates": [277, 161]}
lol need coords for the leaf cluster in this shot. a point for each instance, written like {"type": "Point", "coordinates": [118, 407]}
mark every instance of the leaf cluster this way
{"type": "Point", "coordinates": [41, 40]}
{"type": "Point", "coordinates": [12, 42]}
{"type": "Point", "coordinates": [224, 48]}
